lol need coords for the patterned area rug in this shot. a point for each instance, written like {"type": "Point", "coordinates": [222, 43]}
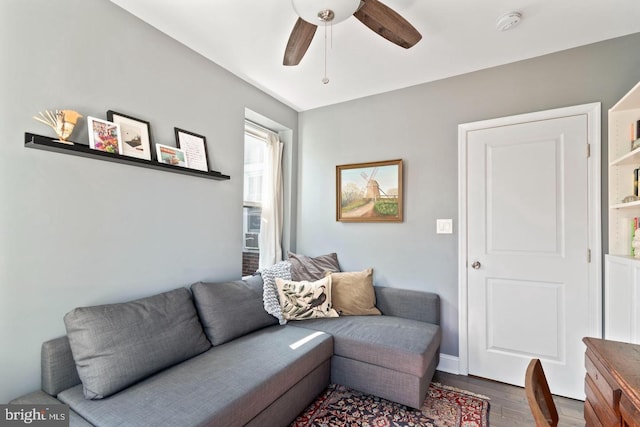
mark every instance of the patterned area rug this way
{"type": "Point", "coordinates": [444, 406]}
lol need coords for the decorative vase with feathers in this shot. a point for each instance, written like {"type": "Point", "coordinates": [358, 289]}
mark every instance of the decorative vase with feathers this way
{"type": "Point", "coordinates": [61, 121]}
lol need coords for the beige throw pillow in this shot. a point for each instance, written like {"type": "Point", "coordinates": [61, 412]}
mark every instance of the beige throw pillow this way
{"type": "Point", "coordinates": [305, 300]}
{"type": "Point", "coordinates": [353, 294]}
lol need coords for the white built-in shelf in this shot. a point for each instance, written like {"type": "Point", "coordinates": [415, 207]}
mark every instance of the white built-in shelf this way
{"type": "Point", "coordinates": [630, 101]}
{"type": "Point", "coordinates": [629, 205]}
{"type": "Point", "coordinates": [631, 158]}
{"type": "Point", "coordinates": [622, 270]}
{"type": "Point", "coordinates": [623, 160]}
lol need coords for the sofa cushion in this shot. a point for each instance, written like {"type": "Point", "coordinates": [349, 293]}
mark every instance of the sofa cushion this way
{"type": "Point", "coordinates": [352, 293]}
{"type": "Point", "coordinates": [221, 387]}
{"type": "Point", "coordinates": [409, 304]}
{"type": "Point", "coordinates": [231, 309]}
{"type": "Point", "coordinates": [305, 300]}
{"type": "Point", "coordinates": [41, 398]}
{"type": "Point", "coordinates": [117, 345]}
{"type": "Point", "coordinates": [400, 344]}
{"type": "Point", "coordinates": [307, 268]}
{"type": "Point", "coordinates": [38, 397]}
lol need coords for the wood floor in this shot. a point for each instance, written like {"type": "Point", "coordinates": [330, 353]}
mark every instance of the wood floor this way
{"type": "Point", "coordinates": [508, 404]}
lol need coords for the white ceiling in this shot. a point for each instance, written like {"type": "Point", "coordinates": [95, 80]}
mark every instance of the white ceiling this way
{"type": "Point", "coordinates": [248, 38]}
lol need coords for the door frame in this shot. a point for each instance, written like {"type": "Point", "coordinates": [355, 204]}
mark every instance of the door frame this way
{"type": "Point", "coordinates": [593, 113]}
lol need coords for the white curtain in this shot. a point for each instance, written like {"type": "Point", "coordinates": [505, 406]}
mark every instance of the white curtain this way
{"type": "Point", "coordinates": [272, 206]}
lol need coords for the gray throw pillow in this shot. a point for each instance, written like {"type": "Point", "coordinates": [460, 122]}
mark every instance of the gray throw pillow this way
{"type": "Point", "coordinates": [232, 309]}
{"type": "Point", "coordinates": [311, 269]}
{"type": "Point", "coordinates": [117, 345]}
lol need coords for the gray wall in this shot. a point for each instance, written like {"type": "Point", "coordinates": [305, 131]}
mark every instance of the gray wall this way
{"type": "Point", "coordinates": [419, 125]}
{"type": "Point", "coordinates": [76, 231]}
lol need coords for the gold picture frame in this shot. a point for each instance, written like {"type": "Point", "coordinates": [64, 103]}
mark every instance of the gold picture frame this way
{"type": "Point", "coordinates": [369, 192]}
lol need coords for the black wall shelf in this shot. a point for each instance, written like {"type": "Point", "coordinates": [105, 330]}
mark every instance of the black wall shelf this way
{"type": "Point", "coordinates": [50, 144]}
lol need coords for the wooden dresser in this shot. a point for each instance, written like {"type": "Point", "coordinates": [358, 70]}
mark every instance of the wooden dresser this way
{"type": "Point", "coordinates": [612, 383]}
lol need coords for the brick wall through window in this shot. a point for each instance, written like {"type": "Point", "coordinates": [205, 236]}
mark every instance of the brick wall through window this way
{"type": "Point", "coordinates": [249, 263]}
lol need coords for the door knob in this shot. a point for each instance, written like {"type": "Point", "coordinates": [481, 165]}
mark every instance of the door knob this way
{"type": "Point", "coordinates": [476, 265]}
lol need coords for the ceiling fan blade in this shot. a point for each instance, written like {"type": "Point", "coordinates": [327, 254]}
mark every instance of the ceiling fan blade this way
{"type": "Point", "coordinates": [388, 23]}
{"type": "Point", "coordinates": [299, 42]}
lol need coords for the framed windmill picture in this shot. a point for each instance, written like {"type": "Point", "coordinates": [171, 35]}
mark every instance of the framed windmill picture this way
{"type": "Point", "coordinates": [369, 192]}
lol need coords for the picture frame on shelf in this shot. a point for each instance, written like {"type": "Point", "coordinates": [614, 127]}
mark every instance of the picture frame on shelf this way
{"type": "Point", "coordinates": [104, 135]}
{"type": "Point", "coordinates": [369, 192]}
{"type": "Point", "coordinates": [171, 155]}
{"type": "Point", "coordinates": [195, 148]}
{"type": "Point", "coordinates": [135, 133]}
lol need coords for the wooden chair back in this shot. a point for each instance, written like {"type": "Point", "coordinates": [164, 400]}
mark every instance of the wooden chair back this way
{"type": "Point", "coordinates": [539, 396]}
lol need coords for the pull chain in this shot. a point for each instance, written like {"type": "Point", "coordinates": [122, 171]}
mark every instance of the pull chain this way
{"type": "Point", "coordinates": [325, 79]}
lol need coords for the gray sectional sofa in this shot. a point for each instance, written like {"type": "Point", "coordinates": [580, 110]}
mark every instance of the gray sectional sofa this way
{"type": "Point", "coordinates": [214, 357]}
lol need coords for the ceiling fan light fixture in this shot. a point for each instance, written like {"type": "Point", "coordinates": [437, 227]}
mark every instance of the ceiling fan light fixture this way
{"type": "Point", "coordinates": [318, 11]}
{"type": "Point", "coordinates": [326, 15]}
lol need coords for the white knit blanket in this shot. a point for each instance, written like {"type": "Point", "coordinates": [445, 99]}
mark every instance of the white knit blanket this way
{"type": "Point", "coordinates": [270, 298]}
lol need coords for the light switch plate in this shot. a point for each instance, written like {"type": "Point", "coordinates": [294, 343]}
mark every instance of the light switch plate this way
{"type": "Point", "coordinates": [444, 226]}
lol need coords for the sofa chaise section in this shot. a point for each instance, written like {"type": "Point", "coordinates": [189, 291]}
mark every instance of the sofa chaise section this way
{"type": "Point", "coordinates": [228, 385]}
{"type": "Point", "coordinates": [391, 356]}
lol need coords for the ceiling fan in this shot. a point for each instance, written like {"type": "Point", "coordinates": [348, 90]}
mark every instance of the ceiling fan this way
{"type": "Point", "coordinates": [375, 15]}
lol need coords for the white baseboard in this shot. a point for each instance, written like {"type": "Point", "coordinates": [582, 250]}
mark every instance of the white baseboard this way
{"type": "Point", "coordinates": [449, 364]}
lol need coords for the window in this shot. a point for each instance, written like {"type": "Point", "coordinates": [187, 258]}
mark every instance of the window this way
{"type": "Point", "coordinates": [253, 167]}
{"type": "Point", "coordinates": [254, 148]}
{"type": "Point", "coordinates": [251, 217]}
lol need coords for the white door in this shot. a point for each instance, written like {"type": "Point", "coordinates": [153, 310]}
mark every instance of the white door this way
{"type": "Point", "coordinates": [528, 277]}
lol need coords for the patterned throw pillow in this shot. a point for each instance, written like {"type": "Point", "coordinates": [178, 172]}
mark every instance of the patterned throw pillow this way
{"type": "Point", "coordinates": [305, 300]}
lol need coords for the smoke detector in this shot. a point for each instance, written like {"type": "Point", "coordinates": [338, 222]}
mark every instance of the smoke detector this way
{"type": "Point", "coordinates": [508, 21]}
